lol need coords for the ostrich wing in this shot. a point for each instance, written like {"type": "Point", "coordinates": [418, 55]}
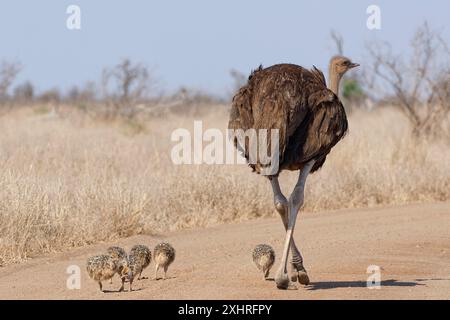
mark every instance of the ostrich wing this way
{"type": "Point", "coordinates": [322, 128]}
{"type": "Point", "coordinates": [280, 97]}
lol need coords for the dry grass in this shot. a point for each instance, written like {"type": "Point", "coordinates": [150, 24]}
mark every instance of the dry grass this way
{"type": "Point", "coordinates": [70, 182]}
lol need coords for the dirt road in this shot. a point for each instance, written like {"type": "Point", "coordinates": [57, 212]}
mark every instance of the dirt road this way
{"type": "Point", "coordinates": [411, 245]}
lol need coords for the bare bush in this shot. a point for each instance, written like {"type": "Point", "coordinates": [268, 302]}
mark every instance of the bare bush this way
{"type": "Point", "coordinates": [185, 101]}
{"type": "Point", "coordinates": [239, 80]}
{"type": "Point", "coordinates": [338, 41]}
{"type": "Point", "coordinates": [126, 85]}
{"type": "Point", "coordinates": [67, 183]}
{"type": "Point", "coordinates": [24, 93]}
{"type": "Point", "coordinates": [419, 82]}
{"type": "Point", "coordinates": [8, 73]}
{"type": "Point", "coordinates": [52, 96]}
{"type": "Point", "coordinates": [83, 98]}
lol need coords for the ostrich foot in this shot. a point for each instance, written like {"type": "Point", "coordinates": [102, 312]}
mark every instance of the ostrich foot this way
{"type": "Point", "coordinates": [282, 281]}
{"type": "Point", "coordinates": [292, 272]}
{"type": "Point", "coordinates": [298, 272]}
{"type": "Point", "coordinates": [303, 277]}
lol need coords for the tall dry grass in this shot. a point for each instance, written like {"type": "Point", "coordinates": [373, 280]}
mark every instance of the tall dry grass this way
{"type": "Point", "coordinates": [67, 182]}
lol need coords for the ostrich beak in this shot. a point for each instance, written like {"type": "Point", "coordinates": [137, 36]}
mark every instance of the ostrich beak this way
{"type": "Point", "coordinates": [353, 65]}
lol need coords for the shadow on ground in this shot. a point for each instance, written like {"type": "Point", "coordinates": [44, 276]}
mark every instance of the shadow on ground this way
{"type": "Point", "coordinates": [360, 284]}
{"type": "Point", "coordinates": [117, 291]}
{"type": "Point", "coordinates": [433, 279]}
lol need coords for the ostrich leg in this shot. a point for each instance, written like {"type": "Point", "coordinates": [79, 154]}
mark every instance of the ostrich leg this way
{"type": "Point", "coordinates": [295, 202]}
{"type": "Point", "coordinates": [281, 205]}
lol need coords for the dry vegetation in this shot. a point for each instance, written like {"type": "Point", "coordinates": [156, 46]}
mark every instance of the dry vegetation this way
{"type": "Point", "coordinates": [93, 164]}
{"type": "Point", "coordinates": [69, 180]}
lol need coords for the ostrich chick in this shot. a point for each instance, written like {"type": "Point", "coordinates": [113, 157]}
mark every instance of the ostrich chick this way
{"type": "Point", "coordinates": [118, 254]}
{"type": "Point", "coordinates": [143, 255]}
{"type": "Point", "coordinates": [164, 255]}
{"type": "Point", "coordinates": [135, 265]}
{"type": "Point", "coordinates": [103, 267]}
{"type": "Point", "coordinates": [264, 257]}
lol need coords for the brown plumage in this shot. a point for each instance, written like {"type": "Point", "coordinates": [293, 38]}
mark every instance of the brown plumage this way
{"type": "Point", "coordinates": [135, 267]}
{"type": "Point", "coordinates": [263, 256]}
{"type": "Point", "coordinates": [104, 267]}
{"type": "Point", "coordinates": [118, 254]}
{"type": "Point", "coordinates": [143, 255]}
{"type": "Point", "coordinates": [296, 101]}
{"type": "Point", "coordinates": [310, 120]}
{"type": "Point", "coordinates": [164, 255]}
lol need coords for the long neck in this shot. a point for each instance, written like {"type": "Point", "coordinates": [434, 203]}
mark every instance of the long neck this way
{"type": "Point", "coordinates": [334, 78]}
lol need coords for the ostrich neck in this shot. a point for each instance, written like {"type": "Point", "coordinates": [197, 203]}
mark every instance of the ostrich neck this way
{"type": "Point", "coordinates": [334, 79]}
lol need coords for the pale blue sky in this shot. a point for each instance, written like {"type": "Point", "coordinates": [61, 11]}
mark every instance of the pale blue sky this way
{"type": "Point", "coordinates": [196, 42]}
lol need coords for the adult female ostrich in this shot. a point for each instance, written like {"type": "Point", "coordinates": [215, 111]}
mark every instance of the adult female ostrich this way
{"type": "Point", "coordinates": [310, 120]}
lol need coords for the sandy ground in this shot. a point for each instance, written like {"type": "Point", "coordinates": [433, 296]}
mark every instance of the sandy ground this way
{"type": "Point", "coordinates": [411, 245]}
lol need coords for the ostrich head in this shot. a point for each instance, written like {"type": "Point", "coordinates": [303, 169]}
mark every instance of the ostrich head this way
{"type": "Point", "coordinates": [338, 66]}
{"type": "Point", "coordinates": [341, 65]}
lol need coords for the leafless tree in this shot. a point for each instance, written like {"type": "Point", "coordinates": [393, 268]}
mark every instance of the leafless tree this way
{"type": "Point", "coordinates": [82, 95]}
{"type": "Point", "coordinates": [24, 93]}
{"type": "Point", "coordinates": [125, 85]}
{"type": "Point", "coordinates": [338, 40]}
{"type": "Point", "coordinates": [239, 79]}
{"type": "Point", "coordinates": [51, 96]}
{"type": "Point", "coordinates": [8, 73]}
{"type": "Point", "coordinates": [419, 82]}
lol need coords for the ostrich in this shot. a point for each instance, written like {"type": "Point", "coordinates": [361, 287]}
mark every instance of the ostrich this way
{"type": "Point", "coordinates": [104, 267]}
{"type": "Point", "coordinates": [310, 120]}
{"type": "Point", "coordinates": [164, 255]}
{"type": "Point", "coordinates": [118, 254]}
{"type": "Point", "coordinates": [143, 255]}
{"type": "Point", "coordinates": [263, 257]}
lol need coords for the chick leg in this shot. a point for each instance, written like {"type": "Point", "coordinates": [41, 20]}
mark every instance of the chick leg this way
{"type": "Point", "coordinates": [123, 284]}
{"type": "Point", "coordinates": [266, 273]}
{"type": "Point", "coordinates": [156, 271]}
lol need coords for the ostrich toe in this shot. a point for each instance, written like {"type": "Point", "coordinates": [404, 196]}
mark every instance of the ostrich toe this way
{"type": "Point", "coordinates": [292, 272]}
{"type": "Point", "coordinates": [303, 277]}
{"type": "Point", "coordinates": [282, 281]}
